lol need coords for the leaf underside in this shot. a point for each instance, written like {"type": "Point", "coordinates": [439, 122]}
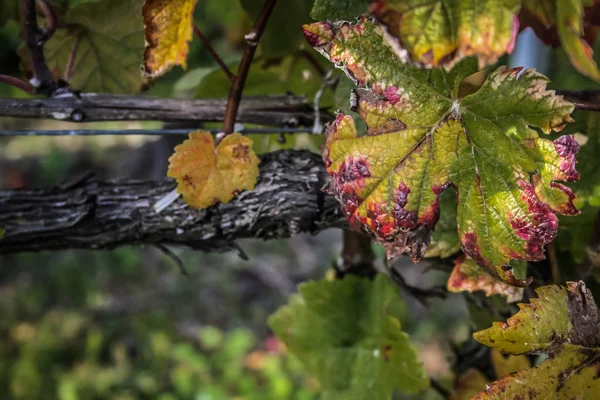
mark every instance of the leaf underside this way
{"type": "Point", "coordinates": [442, 32]}
{"type": "Point", "coordinates": [422, 138]}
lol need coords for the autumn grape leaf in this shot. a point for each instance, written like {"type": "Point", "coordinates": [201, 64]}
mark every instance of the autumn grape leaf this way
{"type": "Point", "coordinates": [571, 373]}
{"type": "Point", "coordinates": [559, 315]}
{"type": "Point", "coordinates": [441, 33]}
{"type": "Point", "coordinates": [335, 10]}
{"type": "Point", "coordinates": [347, 334]}
{"type": "Point", "coordinates": [422, 137]}
{"type": "Point", "coordinates": [444, 238]}
{"type": "Point", "coordinates": [206, 175]}
{"type": "Point", "coordinates": [105, 41]}
{"type": "Point", "coordinates": [467, 275]}
{"type": "Point", "coordinates": [473, 381]}
{"type": "Point", "coordinates": [168, 27]}
{"type": "Point", "coordinates": [563, 21]}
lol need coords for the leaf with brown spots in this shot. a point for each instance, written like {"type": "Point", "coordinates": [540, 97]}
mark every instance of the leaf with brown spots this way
{"type": "Point", "coordinates": [571, 373]}
{"type": "Point", "coordinates": [207, 175]}
{"type": "Point", "coordinates": [347, 333]}
{"type": "Point", "coordinates": [168, 27]}
{"type": "Point", "coordinates": [442, 32]}
{"type": "Point", "coordinates": [467, 275]}
{"type": "Point", "coordinates": [422, 137]}
{"type": "Point", "coordinates": [559, 315]}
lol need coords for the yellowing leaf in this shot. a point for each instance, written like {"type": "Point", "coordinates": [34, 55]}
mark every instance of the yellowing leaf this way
{"type": "Point", "coordinates": [422, 137]}
{"type": "Point", "coordinates": [560, 315]}
{"type": "Point", "coordinates": [504, 365]}
{"type": "Point", "coordinates": [168, 27]}
{"type": "Point", "coordinates": [206, 175]}
{"type": "Point", "coordinates": [473, 381]}
{"type": "Point", "coordinates": [572, 373]}
{"type": "Point", "coordinates": [442, 32]}
{"type": "Point", "coordinates": [467, 275]}
{"type": "Point", "coordinates": [444, 239]}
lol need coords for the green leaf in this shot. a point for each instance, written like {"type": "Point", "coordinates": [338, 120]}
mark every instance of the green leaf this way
{"type": "Point", "coordinates": [9, 10]}
{"type": "Point", "coordinates": [422, 137]}
{"type": "Point", "coordinates": [335, 10]}
{"type": "Point", "coordinates": [572, 373]}
{"type": "Point", "coordinates": [2, 232]}
{"type": "Point", "coordinates": [558, 316]}
{"type": "Point", "coordinates": [588, 187]}
{"type": "Point", "coordinates": [283, 34]}
{"type": "Point", "coordinates": [441, 33]}
{"type": "Point", "coordinates": [107, 38]}
{"type": "Point", "coordinates": [467, 275]}
{"type": "Point", "coordinates": [444, 239]}
{"type": "Point", "coordinates": [347, 334]}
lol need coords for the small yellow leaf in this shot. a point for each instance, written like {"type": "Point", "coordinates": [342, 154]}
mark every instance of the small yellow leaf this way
{"type": "Point", "coordinates": [207, 175]}
{"type": "Point", "coordinates": [168, 27]}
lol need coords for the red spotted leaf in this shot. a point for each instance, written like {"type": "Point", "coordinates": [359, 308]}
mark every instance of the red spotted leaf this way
{"type": "Point", "coordinates": [422, 137]}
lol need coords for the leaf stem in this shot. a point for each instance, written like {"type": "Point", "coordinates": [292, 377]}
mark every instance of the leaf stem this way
{"type": "Point", "coordinates": [43, 80]}
{"type": "Point", "coordinates": [50, 17]}
{"type": "Point", "coordinates": [18, 83]}
{"type": "Point", "coordinates": [357, 256]}
{"type": "Point", "coordinates": [214, 54]}
{"type": "Point", "coordinates": [252, 40]}
{"type": "Point", "coordinates": [71, 63]}
{"type": "Point", "coordinates": [441, 390]}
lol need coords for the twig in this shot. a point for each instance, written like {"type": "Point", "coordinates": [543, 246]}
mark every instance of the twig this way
{"type": "Point", "coordinates": [71, 63]}
{"type": "Point", "coordinates": [214, 54]}
{"type": "Point", "coordinates": [18, 83]}
{"type": "Point", "coordinates": [422, 295]}
{"type": "Point", "coordinates": [252, 39]}
{"type": "Point", "coordinates": [166, 251]}
{"type": "Point", "coordinates": [309, 56]}
{"type": "Point", "coordinates": [357, 256]}
{"type": "Point", "coordinates": [43, 80]}
{"type": "Point", "coordinates": [50, 17]}
{"type": "Point", "coordinates": [442, 391]}
{"type": "Point", "coordinates": [582, 99]}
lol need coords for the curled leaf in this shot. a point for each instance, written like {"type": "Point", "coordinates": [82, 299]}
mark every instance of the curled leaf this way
{"type": "Point", "coordinates": [207, 175]}
{"type": "Point", "coordinates": [467, 275]}
{"type": "Point", "coordinates": [441, 33]}
{"type": "Point", "coordinates": [559, 315]}
{"type": "Point", "coordinates": [421, 138]}
{"type": "Point", "coordinates": [168, 27]}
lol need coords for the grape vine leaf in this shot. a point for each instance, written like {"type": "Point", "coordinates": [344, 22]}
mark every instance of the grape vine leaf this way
{"type": "Point", "coordinates": [421, 138]}
{"type": "Point", "coordinates": [206, 175]}
{"type": "Point", "coordinates": [335, 10]}
{"type": "Point", "coordinates": [168, 28]}
{"type": "Point", "coordinates": [106, 38]}
{"type": "Point", "coordinates": [588, 187]}
{"type": "Point", "coordinates": [571, 373]}
{"type": "Point", "coordinates": [474, 381]}
{"type": "Point", "coordinates": [559, 315]}
{"type": "Point", "coordinates": [563, 21]}
{"type": "Point", "coordinates": [444, 238]}
{"type": "Point", "coordinates": [467, 275]}
{"type": "Point", "coordinates": [347, 334]}
{"type": "Point", "coordinates": [441, 33]}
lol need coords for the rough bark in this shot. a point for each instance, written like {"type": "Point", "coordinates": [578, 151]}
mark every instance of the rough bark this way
{"type": "Point", "coordinates": [103, 215]}
{"type": "Point", "coordinates": [286, 110]}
